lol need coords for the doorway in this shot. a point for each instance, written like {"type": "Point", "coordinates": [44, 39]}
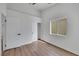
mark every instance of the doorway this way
{"type": "Point", "coordinates": [39, 30]}
{"type": "Point", "coordinates": [3, 33]}
{"type": "Point", "coordinates": [36, 30]}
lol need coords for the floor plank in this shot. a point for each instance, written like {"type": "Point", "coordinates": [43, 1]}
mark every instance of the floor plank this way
{"type": "Point", "coordinates": [38, 48]}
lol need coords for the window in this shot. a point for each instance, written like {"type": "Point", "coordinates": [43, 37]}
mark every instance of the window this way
{"type": "Point", "coordinates": [58, 26]}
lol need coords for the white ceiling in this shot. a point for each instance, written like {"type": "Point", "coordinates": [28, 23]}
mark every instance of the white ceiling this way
{"type": "Point", "coordinates": [37, 6]}
{"type": "Point", "coordinates": [42, 6]}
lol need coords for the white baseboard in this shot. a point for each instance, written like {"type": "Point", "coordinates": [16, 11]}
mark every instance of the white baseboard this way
{"type": "Point", "coordinates": [20, 44]}
{"type": "Point", "coordinates": [67, 49]}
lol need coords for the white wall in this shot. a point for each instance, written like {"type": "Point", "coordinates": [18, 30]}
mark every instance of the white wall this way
{"type": "Point", "coordinates": [23, 23]}
{"type": "Point", "coordinates": [23, 17]}
{"type": "Point", "coordinates": [35, 28]}
{"type": "Point", "coordinates": [2, 10]}
{"type": "Point", "coordinates": [24, 8]}
{"type": "Point", "coordinates": [71, 41]}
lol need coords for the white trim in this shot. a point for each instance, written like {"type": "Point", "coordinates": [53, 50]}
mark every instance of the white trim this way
{"type": "Point", "coordinates": [57, 34]}
{"type": "Point", "coordinates": [20, 45]}
{"type": "Point", "coordinates": [58, 18]}
{"type": "Point", "coordinates": [67, 49]}
{"type": "Point", "coordinates": [22, 12]}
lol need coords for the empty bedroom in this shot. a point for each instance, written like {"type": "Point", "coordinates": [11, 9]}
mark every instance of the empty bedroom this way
{"type": "Point", "coordinates": [39, 29]}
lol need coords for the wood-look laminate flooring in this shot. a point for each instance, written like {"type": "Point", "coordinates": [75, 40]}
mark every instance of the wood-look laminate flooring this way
{"type": "Point", "coordinates": [37, 48]}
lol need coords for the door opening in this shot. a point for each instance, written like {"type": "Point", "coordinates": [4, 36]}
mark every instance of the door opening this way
{"type": "Point", "coordinates": [3, 32]}
{"type": "Point", "coordinates": [39, 30]}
